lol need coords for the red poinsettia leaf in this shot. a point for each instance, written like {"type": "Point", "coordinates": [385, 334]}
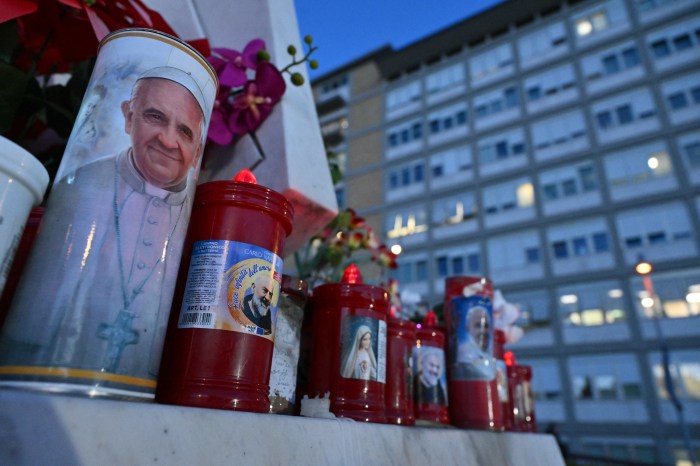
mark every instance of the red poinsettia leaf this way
{"type": "Point", "coordinates": [201, 45]}
{"type": "Point", "coordinates": [15, 8]}
{"type": "Point", "coordinates": [99, 27]}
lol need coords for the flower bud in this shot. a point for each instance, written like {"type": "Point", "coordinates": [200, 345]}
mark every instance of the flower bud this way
{"type": "Point", "coordinates": [263, 55]}
{"type": "Point", "coordinates": [313, 64]}
{"type": "Point", "coordinates": [291, 50]}
{"type": "Point", "coordinates": [308, 39]}
{"type": "Point", "coordinates": [297, 79]}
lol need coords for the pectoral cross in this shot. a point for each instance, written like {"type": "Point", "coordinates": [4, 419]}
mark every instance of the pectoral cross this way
{"type": "Point", "coordinates": [118, 335]}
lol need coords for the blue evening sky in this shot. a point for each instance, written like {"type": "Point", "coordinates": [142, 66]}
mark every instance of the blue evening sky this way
{"type": "Point", "coordinates": [346, 30]}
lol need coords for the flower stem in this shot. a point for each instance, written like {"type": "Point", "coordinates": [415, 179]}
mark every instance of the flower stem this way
{"type": "Point", "coordinates": [260, 150]}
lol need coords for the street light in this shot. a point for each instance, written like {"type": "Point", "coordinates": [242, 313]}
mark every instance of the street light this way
{"type": "Point", "coordinates": [644, 269]}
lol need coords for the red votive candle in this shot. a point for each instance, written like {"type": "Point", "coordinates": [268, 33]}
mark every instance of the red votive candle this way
{"type": "Point", "coordinates": [474, 402]}
{"type": "Point", "coordinates": [218, 350]}
{"type": "Point", "coordinates": [430, 400]}
{"type": "Point", "coordinates": [398, 393]}
{"type": "Point", "coordinates": [348, 357]}
{"type": "Point", "coordinates": [499, 340]}
{"type": "Point", "coordinates": [521, 396]}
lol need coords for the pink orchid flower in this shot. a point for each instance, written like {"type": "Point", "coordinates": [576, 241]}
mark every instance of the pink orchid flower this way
{"type": "Point", "coordinates": [252, 106]}
{"type": "Point", "coordinates": [232, 65]}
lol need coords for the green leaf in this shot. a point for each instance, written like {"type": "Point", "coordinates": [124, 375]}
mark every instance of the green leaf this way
{"type": "Point", "coordinates": [13, 84]}
{"type": "Point", "coordinates": [8, 40]}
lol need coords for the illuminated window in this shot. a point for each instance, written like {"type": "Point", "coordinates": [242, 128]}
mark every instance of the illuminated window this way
{"type": "Point", "coordinates": [592, 23]}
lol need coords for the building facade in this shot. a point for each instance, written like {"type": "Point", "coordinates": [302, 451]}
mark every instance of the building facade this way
{"type": "Point", "coordinates": [549, 146]}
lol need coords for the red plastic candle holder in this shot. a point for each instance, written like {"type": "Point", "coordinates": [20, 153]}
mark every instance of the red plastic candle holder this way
{"type": "Point", "coordinates": [218, 350]}
{"type": "Point", "coordinates": [348, 357]}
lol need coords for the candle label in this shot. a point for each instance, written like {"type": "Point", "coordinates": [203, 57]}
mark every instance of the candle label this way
{"type": "Point", "coordinates": [470, 349]}
{"type": "Point", "coordinates": [363, 349]}
{"type": "Point", "coordinates": [430, 384]}
{"type": "Point", "coordinates": [232, 286]}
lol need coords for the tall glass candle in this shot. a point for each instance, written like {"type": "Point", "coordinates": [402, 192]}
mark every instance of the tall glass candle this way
{"type": "Point", "coordinates": [219, 345]}
{"type": "Point", "coordinates": [348, 358]}
{"type": "Point", "coordinates": [90, 311]}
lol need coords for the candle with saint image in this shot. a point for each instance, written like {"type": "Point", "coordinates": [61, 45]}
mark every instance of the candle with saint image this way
{"type": "Point", "coordinates": [472, 371]}
{"type": "Point", "coordinates": [219, 345]}
{"type": "Point", "coordinates": [348, 356]}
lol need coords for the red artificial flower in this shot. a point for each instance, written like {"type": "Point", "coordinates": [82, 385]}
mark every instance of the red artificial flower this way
{"type": "Point", "coordinates": [65, 32]}
{"type": "Point", "coordinates": [385, 257]}
{"type": "Point", "coordinates": [356, 240]}
{"type": "Point", "coordinates": [252, 106]}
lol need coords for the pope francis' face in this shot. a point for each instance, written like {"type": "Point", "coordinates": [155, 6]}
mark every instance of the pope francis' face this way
{"type": "Point", "coordinates": [165, 124]}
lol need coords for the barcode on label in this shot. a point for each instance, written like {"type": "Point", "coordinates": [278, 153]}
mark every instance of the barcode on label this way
{"type": "Point", "coordinates": [196, 320]}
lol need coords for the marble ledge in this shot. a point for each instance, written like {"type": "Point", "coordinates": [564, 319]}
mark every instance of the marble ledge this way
{"type": "Point", "coordinates": [38, 428]}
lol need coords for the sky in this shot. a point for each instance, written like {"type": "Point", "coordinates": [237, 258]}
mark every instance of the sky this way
{"type": "Point", "coordinates": [346, 30]}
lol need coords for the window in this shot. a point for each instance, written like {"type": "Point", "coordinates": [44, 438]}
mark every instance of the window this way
{"type": "Point", "coordinates": [563, 132]}
{"type": "Point", "coordinates": [560, 249]}
{"type": "Point", "coordinates": [630, 57]}
{"type": "Point", "coordinates": [532, 255]}
{"type": "Point", "coordinates": [543, 42]}
{"type": "Point", "coordinates": [421, 270]}
{"type": "Point", "coordinates": [568, 182]}
{"type": "Point", "coordinates": [403, 96]}
{"type": "Point", "coordinates": [624, 109]}
{"type": "Point", "coordinates": [637, 166]}
{"type": "Point", "coordinates": [681, 37]}
{"type": "Point", "coordinates": [677, 101]}
{"type": "Point", "coordinates": [580, 246]}
{"type": "Point", "coordinates": [447, 118]}
{"type": "Point", "coordinates": [592, 303]}
{"type": "Point", "coordinates": [418, 173]}
{"type": "Point", "coordinates": [692, 153]}
{"type": "Point", "coordinates": [604, 119]}
{"type": "Point", "coordinates": [405, 176]}
{"type": "Point", "coordinates": [582, 388]}
{"type": "Point", "coordinates": [605, 387]}
{"type": "Point", "coordinates": [664, 224]}
{"type": "Point", "coordinates": [589, 180]}
{"type": "Point", "coordinates": [682, 42]}
{"type": "Point", "coordinates": [549, 85]}
{"type": "Point", "coordinates": [474, 262]}
{"type": "Point", "coordinates": [406, 222]}
{"type": "Point", "coordinates": [550, 192]}
{"type": "Point", "coordinates": [441, 264]}
{"type": "Point", "coordinates": [445, 79]}
{"type": "Point", "coordinates": [686, 377]}
{"type": "Point", "coordinates": [495, 102]}
{"type": "Point", "coordinates": [678, 293]}
{"type": "Point", "coordinates": [610, 64]}
{"type": "Point", "coordinates": [624, 114]}
{"type": "Point", "coordinates": [600, 242]}
{"type": "Point", "coordinates": [490, 63]}
{"type": "Point", "coordinates": [569, 187]}
{"type": "Point", "coordinates": [660, 48]}
{"type": "Point", "coordinates": [404, 134]}
{"type": "Point", "coordinates": [502, 147]}
{"type": "Point", "coordinates": [457, 266]}
{"type": "Point", "coordinates": [452, 163]}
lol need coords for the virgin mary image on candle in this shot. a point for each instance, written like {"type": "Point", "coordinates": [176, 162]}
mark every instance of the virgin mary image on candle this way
{"type": "Point", "coordinates": [359, 360]}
